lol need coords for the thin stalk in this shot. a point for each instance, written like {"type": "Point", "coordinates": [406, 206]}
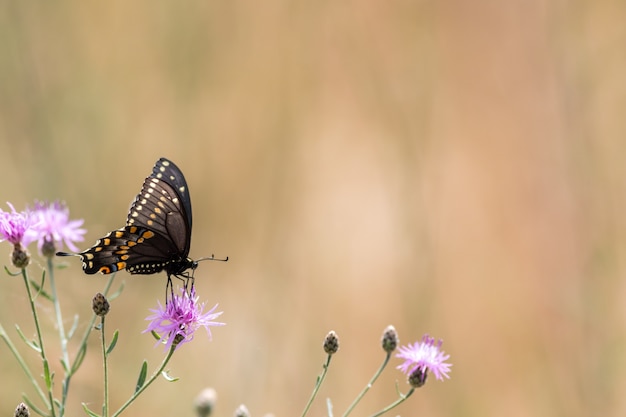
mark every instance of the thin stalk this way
{"type": "Point", "coordinates": [318, 384]}
{"type": "Point", "coordinates": [145, 385]}
{"type": "Point", "coordinates": [61, 328]}
{"type": "Point", "coordinates": [105, 358]}
{"type": "Point", "coordinates": [394, 404]}
{"type": "Point", "coordinates": [42, 351]}
{"type": "Point", "coordinates": [368, 386]}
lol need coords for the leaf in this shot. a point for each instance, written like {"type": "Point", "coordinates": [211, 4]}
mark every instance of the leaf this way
{"type": "Point", "coordinates": [169, 378]}
{"type": "Point", "coordinates": [74, 327]}
{"type": "Point", "coordinates": [155, 335]}
{"type": "Point", "coordinates": [142, 376]}
{"type": "Point", "coordinates": [80, 356]}
{"type": "Point", "coordinates": [32, 406]}
{"type": "Point", "coordinates": [11, 273]}
{"type": "Point", "coordinates": [88, 411]}
{"type": "Point", "coordinates": [113, 342]}
{"type": "Point", "coordinates": [64, 365]}
{"type": "Point", "coordinates": [47, 376]}
{"type": "Point", "coordinates": [40, 291]}
{"type": "Point", "coordinates": [30, 343]}
{"type": "Point", "coordinates": [116, 293]}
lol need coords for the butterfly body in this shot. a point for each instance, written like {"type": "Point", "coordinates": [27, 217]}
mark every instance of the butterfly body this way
{"type": "Point", "coordinates": [157, 235]}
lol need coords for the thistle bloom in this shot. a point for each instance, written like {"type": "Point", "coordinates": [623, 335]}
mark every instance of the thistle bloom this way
{"type": "Point", "coordinates": [425, 356]}
{"type": "Point", "coordinates": [180, 318]}
{"type": "Point", "coordinates": [55, 227]}
{"type": "Point", "coordinates": [14, 226]}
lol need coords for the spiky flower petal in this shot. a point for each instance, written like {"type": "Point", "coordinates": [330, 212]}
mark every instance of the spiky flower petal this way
{"type": "Point", "coordinates": [177, 321]}
{"type": "Point", "coordinates": [424, 356]}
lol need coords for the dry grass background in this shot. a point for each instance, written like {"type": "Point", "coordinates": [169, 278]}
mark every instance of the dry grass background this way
{"type": "Point", "coordinates": [447, 167]}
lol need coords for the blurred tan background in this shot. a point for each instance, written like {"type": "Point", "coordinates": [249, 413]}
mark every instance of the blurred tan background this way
{"type": "Point", "coordinates": [453, 168]}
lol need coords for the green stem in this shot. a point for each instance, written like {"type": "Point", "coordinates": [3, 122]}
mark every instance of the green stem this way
{"type": "Point", "coordinates": [154, 376]}
{"type": "Point", "coordinates": [82, 347]}
{"type": "Point", "coordinates": [105, 405]}
{"type": "Point", "coordinates": [47, 375]}
{"type": "Point", "coordinates": [395, 403]}
{"type": "Point", "coordinates": [62, 334]}
{"type": "Point", "coordinates": [318, 384]}
{"type": "Point", "coordinates": [368, 386]}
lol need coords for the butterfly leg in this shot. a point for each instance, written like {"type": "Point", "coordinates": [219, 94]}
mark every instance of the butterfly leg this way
{"type": "Point", "coordinates": [169, 287]}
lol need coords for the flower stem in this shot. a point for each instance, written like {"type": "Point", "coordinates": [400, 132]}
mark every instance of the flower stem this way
{"type": "Point", "coordinates": [368, 386]}
{"type": "Point", "coordinates": [62, 335]}
{"type": "Point", "coordinates": [82, 348]}
{"type": "Point", "coordinates": [105, 359]}
{"type": "Point", "coordinates": [147, 383]}
{"type": "Point", "coordinates": [318, 384]}
{"type": "Point", "coordinates": [47, 376]}
{"type": "Point", "coordinates": [395, 403]}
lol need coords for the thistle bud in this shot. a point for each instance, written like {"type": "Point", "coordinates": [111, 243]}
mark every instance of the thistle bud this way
{"type": "Point", "coordinates": [22, 411]}
{"type": "Point", "coordinates": [205, 402]}
{"type": "Point", "coordinates": [100, 305]}
{"type": "Point", "coordinates": [390, 339]}
{"type": "Point", "coordinates": [331, 343]}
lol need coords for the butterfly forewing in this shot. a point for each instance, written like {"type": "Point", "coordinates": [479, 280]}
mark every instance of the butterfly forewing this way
{"type": "Point", "coordinates": [159, 209]}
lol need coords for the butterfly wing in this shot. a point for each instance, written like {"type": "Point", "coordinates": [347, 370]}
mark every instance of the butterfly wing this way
{"type": "Point", "coordinates": [140, 251]}
{"type": "Point", "coordinates": [157, 234]}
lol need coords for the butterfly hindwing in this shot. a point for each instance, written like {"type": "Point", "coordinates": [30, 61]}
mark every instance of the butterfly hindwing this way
{"type": "Point", "coordinates": [140, 251]}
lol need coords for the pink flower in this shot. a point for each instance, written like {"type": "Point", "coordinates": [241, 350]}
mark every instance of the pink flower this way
{"type": "Point", "coordinates": [55, 227]}
{"type": "Point", "coordinates": [425, 356]}
{"type": "Point", "coordinates": [14, 226]}
{"type": "Point", "coordinates": [180, 318]}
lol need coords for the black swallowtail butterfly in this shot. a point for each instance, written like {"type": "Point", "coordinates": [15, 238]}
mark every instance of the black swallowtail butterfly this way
{"type": "Point", "coordinates": [157, 234]}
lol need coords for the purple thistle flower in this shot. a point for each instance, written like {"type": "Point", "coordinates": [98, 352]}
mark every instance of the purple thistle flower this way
{"type": "Point", "coordinates": [180, 318]}
{"type": "Point", "coordinates": [55, 227]}
{"type": "Point", "coordinates": [426, 356]}
{"type": "Point", "coordinates": [14, 226]}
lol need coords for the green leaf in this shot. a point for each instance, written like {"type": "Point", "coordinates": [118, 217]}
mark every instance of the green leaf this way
{"type": "Point", "coordinates": [11, 273]}
{"type": "Point", "coordinates": [142, 376]}
{"type": "Point", "coordinates": [30, 343]}
{"type": "Point", "coordinates": [113, 342]}
{"type": "Point", "coordinates": [74, 327]}
{"type": "Point", "coordinates": [33, 407]}
{"type": "Point", "coordinates": [62, 265]}
{"type": "Point", "coordinates": [47, 376]}
{"type": "Point", "coordinates": [155, 335]}
{"type": "Point", "coordinates": [40, 291]}
{"type": "Point", "coordinates": [88, 411]}
{"type": "Point", "coordinates": [64, 365]}
{"type": "Point", "coordinates": [80, 356]}
{"type": "Point", "coordinates": [169, 378]}
{"type": "Point", "coordinates": [116, 293]}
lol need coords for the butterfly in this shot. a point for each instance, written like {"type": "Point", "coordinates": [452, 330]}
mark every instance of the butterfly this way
{"type": "Point", "coordinates": [157, 235]}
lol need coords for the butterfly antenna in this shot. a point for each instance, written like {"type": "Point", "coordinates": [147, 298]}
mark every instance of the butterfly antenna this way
{"type": "Point", "coordinates": [212, 258]}
{"type": "Point", "coordinates": [67, 254]}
